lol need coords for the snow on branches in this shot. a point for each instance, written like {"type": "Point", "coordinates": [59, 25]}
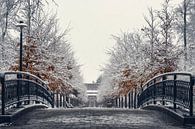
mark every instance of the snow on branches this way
{"type": "Point", "coordinates": [47, 52]}
{"type": "Point", "coordinates": [141, 55]}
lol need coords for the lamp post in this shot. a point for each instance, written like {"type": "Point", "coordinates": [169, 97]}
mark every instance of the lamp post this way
{"type": "Point", "coordinates": [21, 25]}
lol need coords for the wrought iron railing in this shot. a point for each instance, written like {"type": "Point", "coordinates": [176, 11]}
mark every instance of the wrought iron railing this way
{"type": "Point", "coordinates": [171, 89]}
{"type": "Point", "coordinates": [19, 88]}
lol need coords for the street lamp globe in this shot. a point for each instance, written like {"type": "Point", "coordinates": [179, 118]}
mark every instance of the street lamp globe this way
{"type": "Point", "coordinates": [21, 24]}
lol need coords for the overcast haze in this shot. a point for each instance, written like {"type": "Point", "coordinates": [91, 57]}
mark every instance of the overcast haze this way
{"type": "Point", "coordinates": [93, 22]}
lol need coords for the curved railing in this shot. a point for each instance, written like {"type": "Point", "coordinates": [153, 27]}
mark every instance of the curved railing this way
{"type": "Point", "coordinates": [170, 89]}
{"type": "Point", "coordinates": [18, 88]}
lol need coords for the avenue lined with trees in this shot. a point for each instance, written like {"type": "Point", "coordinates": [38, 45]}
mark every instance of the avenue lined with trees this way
{"type": "Point", "coordinates": [148, 81]}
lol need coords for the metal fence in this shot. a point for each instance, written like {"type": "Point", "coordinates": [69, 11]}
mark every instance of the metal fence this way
{"type": "Point", "coordinates": [174, 90]}
{"type": "Point", "coordinates": [20, 88]}
{"type": "Point", "coordinates": [62, 100]}
{"type": "Point", "coordinates": [128, 100]}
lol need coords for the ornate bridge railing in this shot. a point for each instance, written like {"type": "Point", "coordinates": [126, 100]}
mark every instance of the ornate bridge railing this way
{"type": "Point", "coordinates": [19, 88]}
{"type": "Point", "coordinates": [170, 89]}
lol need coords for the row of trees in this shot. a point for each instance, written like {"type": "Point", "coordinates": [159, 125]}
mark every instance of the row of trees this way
{"type": "Point", "coordinates": [164, 44]}
{"type": "Point", "coordinates": [47, 51]}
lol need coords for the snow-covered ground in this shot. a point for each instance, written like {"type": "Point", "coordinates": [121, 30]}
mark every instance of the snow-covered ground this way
{"type": "Point", "coordinates": [94, 118]}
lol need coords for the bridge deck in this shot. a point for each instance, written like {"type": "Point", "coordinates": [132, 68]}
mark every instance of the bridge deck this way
{"type": "Point", "coordinates": [93, 118]}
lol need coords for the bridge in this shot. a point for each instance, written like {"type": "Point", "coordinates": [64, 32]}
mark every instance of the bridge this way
{"type": "Point", "coordinates": [21, 91]}
{"type": "Point", "coordinates": [166, 100]}
{"type": "Point", "coordinates": [173, 93]}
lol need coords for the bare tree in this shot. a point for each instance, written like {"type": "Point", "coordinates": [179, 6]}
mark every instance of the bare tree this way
{"type": "Point", "coordinates": [8, 9]}
{"type": "Point", "coordinates": [151, 32]}
{"type": "Point", "coordinates": [166, 50]}
{"type": "Point", "coordinates": [185, 28]}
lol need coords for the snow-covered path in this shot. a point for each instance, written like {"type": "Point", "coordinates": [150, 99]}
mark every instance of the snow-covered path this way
{"type": "Point", "coordinates": [94, 118]}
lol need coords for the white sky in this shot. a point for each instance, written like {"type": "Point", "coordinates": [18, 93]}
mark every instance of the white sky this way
{"type": "Point", "coordinates": [93, 22]}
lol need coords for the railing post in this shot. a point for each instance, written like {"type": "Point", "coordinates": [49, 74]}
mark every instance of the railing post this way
{"type": "Point", "coordinates": [36, 91]}
{"type": "Point", "coordinates": [129, 94]}
{"type": "Point", "coordinates": [53, 97]}
{"type": "Point", "coordinates": [138, 96]}
{"type": "Point", "coordinates": [147, 103]}
{"type": "Point", "coordinates": [28, 89]}
{"type": "Point", "coordinates": [64, 100]}
{"type": "Point", "coordinates": [135, 98]}
{"type": "Point", "coordinates": [154, 95]}
{"type": "Point", "coordinates": [163, 97]}
{"type": "Point", "coordinates": [116, 102]}
{"type": "Point", "coordinates": [125, 101]}
{"type": "Point", "coordinates": [122, 102]}
{"type": "Point", "coordinates": [192, 81]}
{"type": "Point", "coordinates": [57, 99]}
{"type": "Point", "coordinates": [67, 100]}
{"type": "Point", "coordinates": [119, 101]}
{"type": "Point", "coordinates": [62, 105]}
{"type": "Point", "coordinates": [138, 101]}
{"type": "Point", "coordinates": [2, 81]}
{"type": "Point", "coordinates": [60, 100]}
{"type": "Point", "coordinates": [132, 99]}
{"type": "Point", "coordinates": [19, 77]}
{"type": "Point", "coordinates": [174, 92]}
